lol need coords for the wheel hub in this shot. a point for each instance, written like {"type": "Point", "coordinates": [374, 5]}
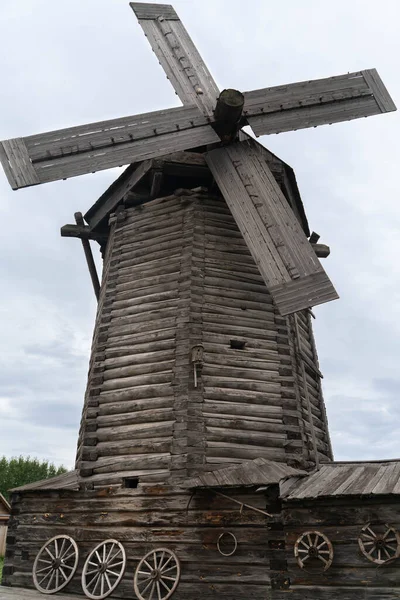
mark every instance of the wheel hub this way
{"type": "Point", "coordinates": [103, 567]}
{"type": "Point", "coordinates": [313, 552]}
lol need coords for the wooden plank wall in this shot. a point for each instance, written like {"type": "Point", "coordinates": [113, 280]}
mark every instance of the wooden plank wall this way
{"type": "Point", "coordinates": [130, 387]}
{"type": "Point", "coordinates": [144, 519]}
{"type": "Point", "coordinates": [254, 401]}
{"type": "Point", "coordinates": [352, 575]}
{"type": "Point", "coordinates": [178, 274]}
{"type": "Point", "coordinates": [308, 386]}
{"type": "Point", "coordinates": [3, 536]}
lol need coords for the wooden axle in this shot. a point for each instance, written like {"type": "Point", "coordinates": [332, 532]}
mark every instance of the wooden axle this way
{"type": "Point", "coordinates": [321, 250]}
{"type": "Point", "coordinates": [227, 113]}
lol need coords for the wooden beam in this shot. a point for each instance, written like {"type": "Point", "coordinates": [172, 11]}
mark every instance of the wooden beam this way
{"type": "Point", "coordinates": [318, 102]}
{"type": "Point", "coordinates": [83, 233]}
{"type": "Point", "coordinates": [156, 182]}
{"type": "Point", "coordinates": [177, 55]}
{"type": "Point", "coordinates": [89, 256]}
{"type": "Point", "coordinates": [115, 194]}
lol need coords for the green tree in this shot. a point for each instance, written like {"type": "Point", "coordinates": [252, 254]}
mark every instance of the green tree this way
{"type": "Point", "coordinates": [21, 470]}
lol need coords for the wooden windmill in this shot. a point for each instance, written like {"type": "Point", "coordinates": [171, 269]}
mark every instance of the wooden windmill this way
{"type": "Point", "coordinates": [204, 384]}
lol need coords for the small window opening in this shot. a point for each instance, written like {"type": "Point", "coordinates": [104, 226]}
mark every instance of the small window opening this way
{"type": "Point", "coordinates": [131, 482]}
{"type": "Point", "coordinates": [237, 344]}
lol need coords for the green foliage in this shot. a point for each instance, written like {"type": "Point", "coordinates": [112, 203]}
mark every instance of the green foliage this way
{"type": "Point", "coordinates": [21, 470]}
{"type": "Point", "coordinates": [1, 567]}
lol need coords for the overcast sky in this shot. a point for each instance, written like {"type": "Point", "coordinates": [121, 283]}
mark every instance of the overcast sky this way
{"type": "Point", "coordinates": [69, 63]}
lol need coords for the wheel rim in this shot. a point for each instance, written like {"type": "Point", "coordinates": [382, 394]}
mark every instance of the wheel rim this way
{"type": "Point", "coordinates": [55, 564]}
{"type": "Point", "coordinates": [313, 545]}
{"type": "Point", "coordinates": [157, 575]}
{"type": "Point", "coordinates": [379, 543]}
{"type": "Point", "coordinates": [103, 569]}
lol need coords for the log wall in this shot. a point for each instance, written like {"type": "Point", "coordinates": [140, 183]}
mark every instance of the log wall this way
{"type": "Point", "coordinates": [144, 519]}
{"type": "Point", "coordinates": [178, 275]}
{"type": "Point", "coordinates": [351, 576]}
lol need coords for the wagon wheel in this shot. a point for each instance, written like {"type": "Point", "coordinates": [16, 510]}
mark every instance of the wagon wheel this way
{"type": "Point", "coordinates": [157, 575]}
{"type": "Point", "coordinates": [55, 564]}
{"type": "Point", "coordinates": [380, 543]}
{"type": "Point", "coordinates": [313, 545]}
{"type": "Point", "coordinates": [103, 569]}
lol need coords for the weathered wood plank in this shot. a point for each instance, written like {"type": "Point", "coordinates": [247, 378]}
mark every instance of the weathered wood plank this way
{"type": "Point", "coordinates": [87, 148]}
{"type": "Point", "coordinates": [178, 56]}
{"type": "Point", "coordinates": [319, 102]}
{"type": "Point", "coordinates": [275, 239]}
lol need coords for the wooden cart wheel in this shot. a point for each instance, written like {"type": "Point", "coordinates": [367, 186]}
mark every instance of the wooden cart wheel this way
{"type": "Point", "coordinates": [103, 569]}
{"type": "Point", "coordinates": [157, 575]}
{"type": "Point", "coordinates": [55, 564]}
{"type": "Point", "coordinates": [313, 545]}
{"type": "Point", "coordinates": [379, 543]}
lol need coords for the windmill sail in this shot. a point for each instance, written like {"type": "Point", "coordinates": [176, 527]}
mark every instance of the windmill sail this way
{"type": "Point", "coordinates": [87, 148]}
{"type": "Point", "coordinates": [291, 270]}
{"type": "Point", "coordinates": [178, 56]}
{"type": "Point", "coordinates": [318, 102]}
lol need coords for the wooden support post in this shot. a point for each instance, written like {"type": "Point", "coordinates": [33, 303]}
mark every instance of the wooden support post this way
{"type": "Point", "coordinates": [156, 183]}
{"type": "Point", "coordinates": [228, 114]}
{"type": "Point", "coordinates": [89, 257]}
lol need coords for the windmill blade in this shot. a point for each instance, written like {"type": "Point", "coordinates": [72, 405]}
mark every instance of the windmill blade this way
{"type": "Point", "coordinates": [318, 102]}
{"type": "Point", "coordinates": [288, 264]}
{"type": "Point", "coordinates": [97, 146]}
{"type": "Point", "coordinates": [178, 55]}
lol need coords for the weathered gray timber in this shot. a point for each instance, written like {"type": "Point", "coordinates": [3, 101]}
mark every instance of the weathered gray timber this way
{"type": "Point", "coordinates": [341, 518]}
{"type": "Point", "coordinates": [144, 518]}
{"type": "Point", "coordinates": [346, 479]}
{"type": "Point", "coordinates": [18, 593]}
{"type": "Point", "coordinates": [318, 102]}
{"type": "Point", "coordinates": [193, 282]}
{"type": "Point", "coordinates": [292, 273]}
{"type": "Point", "coordinates": [178, 56]}
{"type": "Point", "coordinates": [88, 148]}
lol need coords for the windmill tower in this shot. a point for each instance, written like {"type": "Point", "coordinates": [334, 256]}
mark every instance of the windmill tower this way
{"type": "Point", "coordinates": [204, 388]}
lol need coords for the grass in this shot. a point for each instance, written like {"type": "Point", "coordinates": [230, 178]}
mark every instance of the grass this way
{"type": "Point", "coordinates": [1, 566]}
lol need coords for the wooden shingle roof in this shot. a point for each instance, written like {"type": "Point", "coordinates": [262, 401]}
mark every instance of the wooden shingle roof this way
{"type": "Point", "coordinates": [59, 482]}
{"type": "Point", "coordinates": [252, 472]}
{"type": "Point", "coordinates": [345, 479]}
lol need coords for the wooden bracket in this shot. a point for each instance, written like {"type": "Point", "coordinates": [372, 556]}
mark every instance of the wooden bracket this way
{"type": "Point", "coordinates": [82, 232]}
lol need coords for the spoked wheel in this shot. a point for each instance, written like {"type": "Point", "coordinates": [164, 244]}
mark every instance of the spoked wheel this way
{"type": "Point", "coordinates": [379, 543]}
{"type": "Point", "coordinates": [157, 575]}
{"type": "Point", "coordinates": [55, 564]}
{"type": "Point", "coordinates": [313, 546]}
{"type": "Point", "coordinates": [103, 569]}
